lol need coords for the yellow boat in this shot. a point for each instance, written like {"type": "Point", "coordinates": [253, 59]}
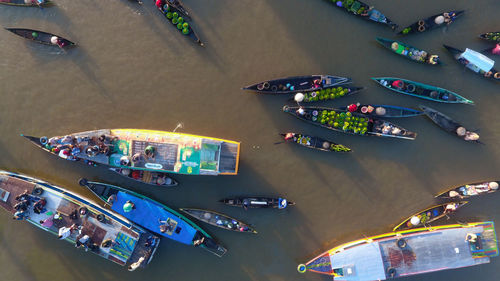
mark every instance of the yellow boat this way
{"type": "Point", "coordinates": [147, 150]}
{"type": "Point", "coordinates": [408, 252]}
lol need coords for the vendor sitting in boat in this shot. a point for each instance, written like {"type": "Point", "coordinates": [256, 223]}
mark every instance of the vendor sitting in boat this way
{"type": "Point", "coordinates": [433, 59]}
{"type": "Point", "coordinates": [467, 135]}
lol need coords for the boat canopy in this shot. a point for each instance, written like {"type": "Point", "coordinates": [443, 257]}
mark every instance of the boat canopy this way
{"type": "Point", "coordinates": [479, 60]}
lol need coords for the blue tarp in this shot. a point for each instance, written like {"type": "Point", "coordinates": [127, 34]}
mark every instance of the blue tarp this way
{"type": "Point", "coordinates": [147, 214]}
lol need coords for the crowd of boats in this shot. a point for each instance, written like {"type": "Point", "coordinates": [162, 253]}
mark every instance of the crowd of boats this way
{"type": "Point", "coordinates": [126, 227]}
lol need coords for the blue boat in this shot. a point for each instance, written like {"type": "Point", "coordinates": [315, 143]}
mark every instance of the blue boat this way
{"type": "Point", "coordinates": [154, 216]}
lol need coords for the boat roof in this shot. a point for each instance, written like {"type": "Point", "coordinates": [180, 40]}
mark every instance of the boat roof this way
{"type": "Point", "coordinates": [427, 251]}
{"type": "Point", "coordinates": [174, 152]}
{"type": "Point", "coordinates": [481, 61]}
{"type": "Point", "coordinates": [148, 214]}
{"type": "Point", "coordinates": [129, 239]}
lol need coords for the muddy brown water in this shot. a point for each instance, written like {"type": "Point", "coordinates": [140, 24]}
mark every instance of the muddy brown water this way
{"type": "Point", "coordinates": [133, 70]}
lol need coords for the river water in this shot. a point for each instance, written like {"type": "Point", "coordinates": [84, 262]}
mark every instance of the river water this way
{"type": "Point", "coordinates": [131, 69]}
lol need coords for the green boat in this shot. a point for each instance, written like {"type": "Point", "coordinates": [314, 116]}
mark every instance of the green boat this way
{"type": "Point", "coordinates": [491, 36]}
{"type": "Point", "coordinates": [420, 90]}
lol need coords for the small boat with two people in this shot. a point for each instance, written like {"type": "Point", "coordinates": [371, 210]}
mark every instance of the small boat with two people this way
{"type": "Point", "coordinates": [476, 62]}
{"type": "Point", "coordinates": [147, 177]}
{"type": "Point", "coordinates": [316, 143]}
{"type": "Point", "coordinates": [77, 220]}
{"type": "Point", "coordinates": [153, 216]}
{"type": "Point", "coordinates": [410, 252]}
{"type": "Point", "coordinates": [341, 120]}
{"type": "Point", "coordinates": [420, 90]}
{"type": "Point", "coordinates": [450, 125]}
{"type": "Point", "coordinates": [387, 111]}
{"type": "Point", "coordinates": [42, 37]}
{"type": "Point", "coordinates": [147, 150]}
{"type": "Point", "coordinates": [409, 52]}
{"type": "Point", "coordinates": [364, 11]}
{"type": "Point", "coordinates": [258, 202]}
{"type": "Point", "coordinates": [296, 84]}
{"type": "Point", "coordinates": [442, 19]}
{"type": "Point", "coordinates": [219, 220]}
{"type": "Point", "coordinates": [424, 217]}
{"type": "Point", "coordinates": [469, 190]}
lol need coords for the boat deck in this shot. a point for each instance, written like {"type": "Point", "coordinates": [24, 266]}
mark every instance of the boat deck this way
{"type": "Point", "coordinates": [431, 251]}
{"type": "Point", "coordinates": [129, 243]}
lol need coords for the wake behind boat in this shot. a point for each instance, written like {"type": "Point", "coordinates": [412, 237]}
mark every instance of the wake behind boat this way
{"type": "Point", "coordinates": [350, 123]}
{"type": "Point", "coordinates": [410, 252]}
{"type": "Point", "coordinates": [147, 150]}
{"type": "Point", "coordinates": [76, 219]}
{"type": "Point", "coordinates": [469, 190]}
{"type": "Point", "coordinates": [476, 62]}
{"type": "Point", "coordinates": [153, 216]}
{"type": "Point", "coordinates": [442, 19]}
{"type": "Point", "coordinates": [297, 84]}
{"type": "Point", "coordinates": [421, 90]}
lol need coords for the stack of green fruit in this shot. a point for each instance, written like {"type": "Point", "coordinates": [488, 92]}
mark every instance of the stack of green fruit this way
{"type": "Point", "coordinates": [342, 120]}
{"type": "Point", "coordinates": [326, 94]}
{"type": "Point", "coordinates": [178, 21]}
{"type": "Point", "coordinates": [339, 148]}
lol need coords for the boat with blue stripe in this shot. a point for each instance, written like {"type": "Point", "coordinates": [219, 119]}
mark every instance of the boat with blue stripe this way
{"type": "Point", "coordinates": [154, 216]}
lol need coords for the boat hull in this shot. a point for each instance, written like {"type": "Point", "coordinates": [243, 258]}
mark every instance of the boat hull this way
{"type": "Point", "coordinates": [469, 190]}
{"type": "Point", "coordinates": [430, 23]}
{"type": "Point", "coordinates": [409, 52]}
{"type": "Point", "coordinates": [296, 84]}
{"type": "Point", "coordinates": [40, 36]}
{"type": "Point", "coordinates": [421, 90]}
{"type": "Point", "coordinates": [219, 220]}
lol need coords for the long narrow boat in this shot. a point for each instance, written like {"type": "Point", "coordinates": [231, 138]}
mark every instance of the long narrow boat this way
{"type": "Point", "coordinates": [174, 16]}
{"type": "Point", "coordinates": [409, 52]}
{"type": "Point", "coordinates": [147, 150]}
{"type": "Point", "coordinates": [327, 94]}
{"type": "Point", "coordinates": [424, 217]}
{"type": "Point", "coordinates": [350, 123]}
{"type": "Point", "coordinates": [64, 208]}
{"type": "Point", "coordinates": [147, 177]}
{"type": "Point", "coordinates": [297, 84]}
{"type": "Point", "coordinates": [257, 202]}
{"type": "Point", "coordinates": [219, 220]}
{"type": "Point", "coordinates": [432, 22]}
{"type": "Point", "coordinates": [469, 190]}
{"type": "Point", "coordinates": [42, 37]}
{"type": "Point", "coordinates": [476, 62]}
{"type": "Point", "coordinates": [364, 11]}
{"type": "Point", "coordinates": [409, 252]}
{"type": "Point", "coordinates": [31, 3]}
{"type": "Point", "coordinates": [491, 36]}
{"type": "Point", "coordinates": [377, 110]}
{"type": "Point", "coordinates": [421, 90]}
{"type": "Point", "coordinates": [450, 125]}
{"type": "Point", "coordinates": [153, 216]}
{"type": "Point", "coordinates": [315, 142]}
